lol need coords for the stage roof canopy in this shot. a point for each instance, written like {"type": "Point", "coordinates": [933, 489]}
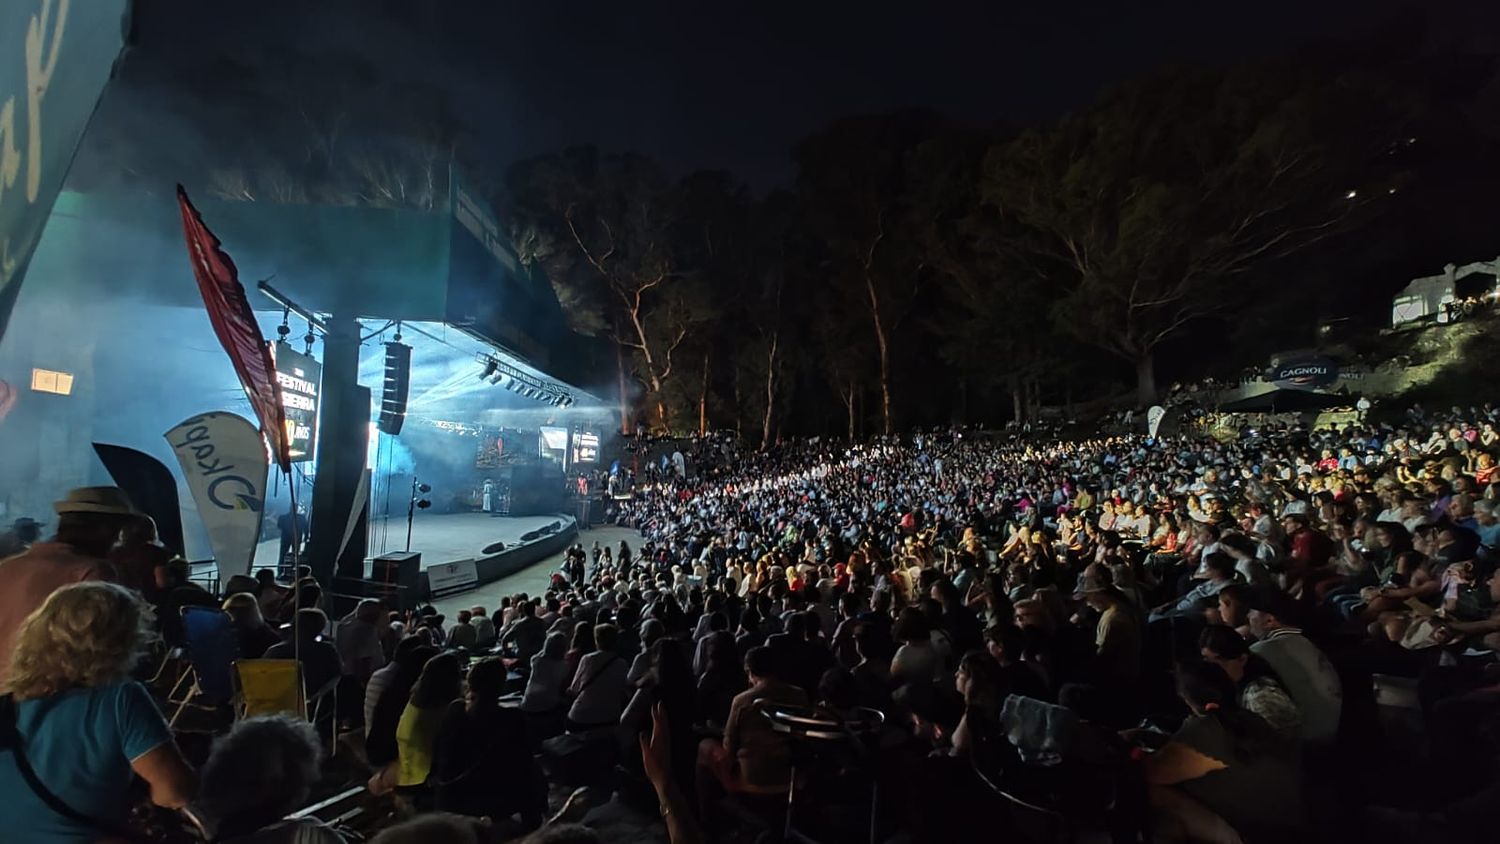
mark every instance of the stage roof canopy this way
{"type": "Point", "coordinates": [446, 377]}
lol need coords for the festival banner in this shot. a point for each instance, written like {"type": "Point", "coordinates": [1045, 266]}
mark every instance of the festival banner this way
{"type": "Point", "coordinates": [53, 67]}
{"type": "Point", "coordinates": [300, 378]}
{"type": "Point", "coordinates": [1154, 415]}
{"type": "Point", "coordinates": [224, 460]}
{"type": "Point", "coordinates": [234, 324]}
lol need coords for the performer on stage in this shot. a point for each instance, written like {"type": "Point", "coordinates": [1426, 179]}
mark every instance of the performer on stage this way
{"type": "Point", "coordinates": [489, 496]}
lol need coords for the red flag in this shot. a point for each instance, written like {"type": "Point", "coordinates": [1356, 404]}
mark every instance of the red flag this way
{"type": "Point", "coordinates": [235, 325]}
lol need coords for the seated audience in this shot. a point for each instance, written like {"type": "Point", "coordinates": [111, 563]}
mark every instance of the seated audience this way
{"type": "Point", "coordinates": [82, 726]}
{"type": "Point", "coordinates": [358, 640]}
{"type": "Point", "coordinates": [386, 697]}
{"type": "Point", "coordinates": [321, 664]}
{"type": "Point", "coordinates": [1261, 691]}
{"type": "Point", "coordinates": [263, 770]}
{"type": "Point", "coordinates": [548, 680]}
{"type": "Point", "coordinates": [1225, 775]}
{"type": "Point", "coordinates": [416, 733]}
{"type": "Point", "coordinates": [251, 632]}
{"type": "Point", "coordinates": [482, 764]}
{"type": "Point", "coordinates": [598, 688]}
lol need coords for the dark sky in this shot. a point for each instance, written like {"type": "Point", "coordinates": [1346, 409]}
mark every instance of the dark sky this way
{"type": "Point", "coordinates": [700, 84]}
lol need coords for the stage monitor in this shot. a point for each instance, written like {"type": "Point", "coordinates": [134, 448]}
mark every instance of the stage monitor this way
{"type": "Point", "coordinates": [300, 378]}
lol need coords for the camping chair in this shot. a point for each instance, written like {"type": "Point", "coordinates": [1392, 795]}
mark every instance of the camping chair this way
{"type": "Point", "coordinates": [270, 687]}
{"type": "Point", "coordinates": [276, 686]}
{"type": "Point", "coordinates": [210, 647]}
{"type": "Point", "coordinates": [1077, 792]}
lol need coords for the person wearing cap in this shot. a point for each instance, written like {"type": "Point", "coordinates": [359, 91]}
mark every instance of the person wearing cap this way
{"type": "Point", "coordinates": [23, 532]}
{"type": "Point", "coordinates": [89, 523]}
{"type": "Point", "coordinates": [1305, 670]}
{"type": "Point", "coordinates": [1220, 569]}
{"type": "Point", "coordinates": [1117, 635]}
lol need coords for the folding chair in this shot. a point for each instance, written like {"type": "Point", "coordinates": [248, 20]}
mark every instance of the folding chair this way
{"type": "Point", "coordinates": [834, 759]}
{"type": "Point", "coordinates": [210, 647]}
{"type": "Point", "coordinates": [276, 686]}
{"type": "Point", "coordinates": [270, 687]}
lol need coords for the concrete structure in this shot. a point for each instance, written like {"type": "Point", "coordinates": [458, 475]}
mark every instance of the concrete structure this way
{"type": "Point", "coordinates": [1424, 298]}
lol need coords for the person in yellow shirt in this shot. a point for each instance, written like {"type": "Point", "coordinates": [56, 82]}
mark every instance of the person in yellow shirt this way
{"type": "Point", "coordinates": [416, 733]}
{"type": "Point", "coordinates": [1083, 499]}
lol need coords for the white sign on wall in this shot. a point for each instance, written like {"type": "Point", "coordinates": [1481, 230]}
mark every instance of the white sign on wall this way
{"type": "Point", "coordinates": [450, 578]}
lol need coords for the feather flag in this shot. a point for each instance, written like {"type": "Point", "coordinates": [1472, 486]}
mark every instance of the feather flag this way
{"type": "Point", "coordinates": [235, 325]}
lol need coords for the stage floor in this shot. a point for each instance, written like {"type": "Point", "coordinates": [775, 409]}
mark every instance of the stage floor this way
{"type": "Point", "coordinates": [441, 538]}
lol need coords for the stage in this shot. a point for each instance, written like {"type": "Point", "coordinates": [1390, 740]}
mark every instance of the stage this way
{"type": "Point", "coordinates": [444, 537]}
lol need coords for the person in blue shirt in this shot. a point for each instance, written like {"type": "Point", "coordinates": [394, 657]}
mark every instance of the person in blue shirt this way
{"type": "Point", "coordinates": [1486, 525]}
{"type": "Point", "coordinates": [84, 726]}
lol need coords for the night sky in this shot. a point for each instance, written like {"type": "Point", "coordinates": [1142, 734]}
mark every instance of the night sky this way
{"type": "Point", "coordinates": [697, 85]}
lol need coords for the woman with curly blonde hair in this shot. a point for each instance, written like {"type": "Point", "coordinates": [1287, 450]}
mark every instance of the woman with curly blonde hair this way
{"type": "Point", "coordinates": [83, 727]}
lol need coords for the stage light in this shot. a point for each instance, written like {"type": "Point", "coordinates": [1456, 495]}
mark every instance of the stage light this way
{"type": "Point", "coordinates": [424, 488]}
{"type": "Point", "coordinates": [497, 377]}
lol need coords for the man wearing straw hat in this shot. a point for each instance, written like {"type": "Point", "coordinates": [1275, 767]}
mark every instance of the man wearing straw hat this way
{"type": "Point", "coordinates": [89, 522]}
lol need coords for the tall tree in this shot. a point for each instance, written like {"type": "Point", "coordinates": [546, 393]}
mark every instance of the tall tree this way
{"type": "Point", "coordinates": [856, 184]}
{"type": "Point", "coordinates": [607, 231]}
{"type": "Point", "coordinates": [1158, 202]}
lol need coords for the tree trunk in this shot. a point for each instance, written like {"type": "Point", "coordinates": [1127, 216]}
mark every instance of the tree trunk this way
{"type": "Point", "coordinates": [739, 405]}
{"type": "Point", "coordinates": [1017, 403]}
{"type": "Point", "coordinates": [765, 427]}
{"type": "Point", "coordinates": [849, 402]}
{"type": "Point", "coordinates": [883, 347]}
{"type": "Point", "coordinates": [703, 400]}
{"type": "Point", "coordinates": [885, 384]}
{"type": "Point", "coordinates": [625, 426]}
{"type": "Point", "coordinates": [1145, 379]}
{"type": "Point", "coordinates": [653, 376]}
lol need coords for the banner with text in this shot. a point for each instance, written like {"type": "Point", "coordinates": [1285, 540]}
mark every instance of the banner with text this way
{"type": "Point", "coordinates": [300, 378]}
{"type": "Point", "coordinates": [1304, 373]}
{"type": "Point", "coordinates": [53, 67]}
{"type": "Point", "coordinates": [225, 462]}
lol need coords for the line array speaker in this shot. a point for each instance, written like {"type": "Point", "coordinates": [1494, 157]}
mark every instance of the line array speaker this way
{"type": "Point", "coordinates": [397, 385]}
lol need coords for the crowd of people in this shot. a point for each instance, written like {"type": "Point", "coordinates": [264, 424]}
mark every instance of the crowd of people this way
{"type": "Point", "coordinates": [1173, 638]}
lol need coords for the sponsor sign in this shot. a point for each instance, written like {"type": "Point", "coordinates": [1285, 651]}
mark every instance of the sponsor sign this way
{"type": "Point", "coordinates": [1305, 373]}
{"type": "Point", "coordinates": [224, 460]}
{"type": "Point", "coordinates": [450, 578]}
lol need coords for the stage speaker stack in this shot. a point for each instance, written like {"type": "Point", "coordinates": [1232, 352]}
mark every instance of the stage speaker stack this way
{"type": "Point", "coordinates": [399, 569]}
{"type": "Point", "coordinates": [397, 385]}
